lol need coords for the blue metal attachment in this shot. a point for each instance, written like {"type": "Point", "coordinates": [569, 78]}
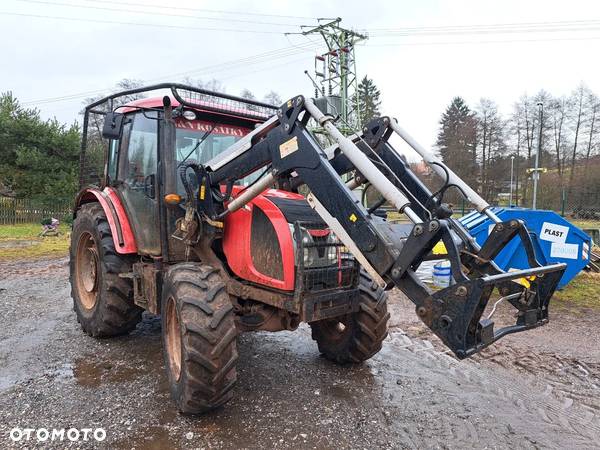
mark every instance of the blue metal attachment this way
{"type": "Point", "coordinates": [555, 240]}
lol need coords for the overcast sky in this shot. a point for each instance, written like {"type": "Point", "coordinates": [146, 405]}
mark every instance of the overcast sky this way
{"type": "Point", "coordinates": [45, 58]}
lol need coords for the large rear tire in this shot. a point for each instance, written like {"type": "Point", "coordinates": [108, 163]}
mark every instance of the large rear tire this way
{"type": "Point", "coordinates": [102, 300]}
{"type": "Point", "coordinates": [199, 338]}
{"type": "Point", "coordinates": [355, 337]}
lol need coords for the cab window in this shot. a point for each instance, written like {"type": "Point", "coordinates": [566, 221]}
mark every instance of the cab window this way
{"type": "Point", "coordinates": [142, 150]}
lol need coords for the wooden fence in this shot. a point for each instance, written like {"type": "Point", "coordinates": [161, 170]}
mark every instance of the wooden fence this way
{"type": "Point", "coordinates": [14, 211]}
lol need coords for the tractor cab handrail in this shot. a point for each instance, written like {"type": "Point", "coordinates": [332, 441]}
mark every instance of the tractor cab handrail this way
{"type": "Point", "coordinates": [176, 87]}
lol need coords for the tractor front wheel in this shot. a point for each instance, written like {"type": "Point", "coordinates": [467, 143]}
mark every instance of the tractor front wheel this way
{"type": "Point", "coordinates": [199, 337]}
{"type": "Point", "coordinates": [355, 337]}
{"type": "Point", "coordinates": [102, 300]}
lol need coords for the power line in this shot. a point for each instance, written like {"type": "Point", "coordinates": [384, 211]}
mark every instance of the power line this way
{"type": "Point", "coordinates": [271, 55]}
{"type": "Point", "coordinates": [496, 29]}
{"type": "Point", "coordinates": [229, 77]}
{"type": "Point", "coordinates": [493, 25]}
{"type": "Point", "coordinates": [504, 41]}
{"type": "Point", "coordinates": [155, 13]}
{"type": "Point", "coordinates": [137, 24]}
{"type": "Point", "coordinates": [481, 32]}
{"type": "Point", "coordinates": [271, 67]}
{"type": "Point", "coordinates": [217, 11]}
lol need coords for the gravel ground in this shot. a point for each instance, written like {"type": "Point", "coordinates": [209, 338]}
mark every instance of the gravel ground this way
{"type": "Point", "coordinates": [533, 390]}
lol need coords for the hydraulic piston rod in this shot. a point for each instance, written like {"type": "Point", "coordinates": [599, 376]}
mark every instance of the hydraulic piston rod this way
{"type": "Point", "coordinates": [444, 171]}
{"type": "Point", "coordinates": [362, 163]}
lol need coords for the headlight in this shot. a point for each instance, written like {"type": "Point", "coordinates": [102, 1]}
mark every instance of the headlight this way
{"type": "Point", "coordinates": [308, 257]}
{"type": "Point", "coordinates": [319, 251]}
{"type": "Point", "coordinates": [189, 115]}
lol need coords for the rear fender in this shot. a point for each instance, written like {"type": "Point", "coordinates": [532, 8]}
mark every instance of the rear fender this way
{"type": "Point", "coordinates": [116, 215]}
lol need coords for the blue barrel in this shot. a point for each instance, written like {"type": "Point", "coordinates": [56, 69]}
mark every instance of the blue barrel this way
{"type": "Point", "coordinates": [554, 240]}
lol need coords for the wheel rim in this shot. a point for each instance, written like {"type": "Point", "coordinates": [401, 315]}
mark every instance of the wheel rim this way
{"type": "Point", "coordinates": [87, 268]}
{"type": "Point", "coordinates": [336, 329]}
{"type": "Point", "coordinates": [173, 338]}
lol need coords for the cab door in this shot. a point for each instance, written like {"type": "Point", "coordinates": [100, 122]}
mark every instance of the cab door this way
{"type": "Point", "coordinates": [137, 177]}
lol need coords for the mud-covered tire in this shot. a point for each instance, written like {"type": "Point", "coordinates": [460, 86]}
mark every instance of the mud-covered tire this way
{"type": "Point", "coordinates": [358, 336]}
{"type": "Point", "coordinates": [108, 309]}
{"type": "Point", "coordinates": [201, 367]}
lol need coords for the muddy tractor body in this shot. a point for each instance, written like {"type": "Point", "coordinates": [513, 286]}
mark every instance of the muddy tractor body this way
{"type": "Point", "coordinates": [193, 212]}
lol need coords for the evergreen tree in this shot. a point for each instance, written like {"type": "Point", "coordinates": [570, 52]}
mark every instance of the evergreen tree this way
{"type": "Point", "coordinates": [457, 140]}
{"type": "Point", "coordinates": [38, 159]}
{"type": "Point", "coordinates": [368, 96]}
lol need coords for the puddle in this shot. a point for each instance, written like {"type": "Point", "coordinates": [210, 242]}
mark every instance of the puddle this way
{"type": "Point", "coordinates": [151, 438]}
{"type": "Point", "coordinates": [92, 374]}
{"type": "Point", "coordinates": [340, 392]}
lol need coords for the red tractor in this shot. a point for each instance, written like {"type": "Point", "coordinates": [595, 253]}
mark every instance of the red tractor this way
{"type": "Point", "coordinates": [194, 213]}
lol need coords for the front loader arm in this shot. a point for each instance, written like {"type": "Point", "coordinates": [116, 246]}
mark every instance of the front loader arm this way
{"type": "Point", "coordinates": [285, 147]}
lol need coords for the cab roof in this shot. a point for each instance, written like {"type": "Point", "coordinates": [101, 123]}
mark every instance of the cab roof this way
{"type": "Point", "coordinates": [190, 97]}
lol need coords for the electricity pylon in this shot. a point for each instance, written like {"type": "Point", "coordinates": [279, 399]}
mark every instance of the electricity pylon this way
{"type": "Point", "coordinates": [335, 72]}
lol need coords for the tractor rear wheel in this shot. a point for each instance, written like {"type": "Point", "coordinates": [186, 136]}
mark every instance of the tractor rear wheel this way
{"type": "Point", "coordinates": [102, 300]}
{"type": "Point", "coordinates": [358, 336]}
{"type": "Point", "coordinates": [199, 337]}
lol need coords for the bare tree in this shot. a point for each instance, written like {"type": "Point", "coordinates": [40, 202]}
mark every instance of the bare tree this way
{"type": "Point", "coordinates": [577, 99]}
{"type": "Point", "coordinates": [545, 98]}
{"type": "Point", "coordinates": [96, 120]}
{"type": "Point", "coordinates": [516, 136]}
{"type": "Point", "coordinates": [558, 111]}
{"type": "Point", "coordinates": [247, 93]}
{"type": "Point", "coordinates": [273, 98]}
{"type": "Point", "coordinates": [593, 112]}
{"type": "Point", "coordinates": [213, 84]}
{"type": "Point", "coordinates": [526, 111]}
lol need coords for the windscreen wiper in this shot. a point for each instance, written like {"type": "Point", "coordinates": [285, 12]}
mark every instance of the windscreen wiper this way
{"type": "Point", "coordinates": [200, 141]}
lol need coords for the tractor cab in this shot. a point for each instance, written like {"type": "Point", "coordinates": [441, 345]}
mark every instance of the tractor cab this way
{"type": "Point", "coordinates": [145, 153]}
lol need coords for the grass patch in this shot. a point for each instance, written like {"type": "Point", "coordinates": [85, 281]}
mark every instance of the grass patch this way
{"type": "Point", "coordinates": [583, 290]}
{"type": "Point", "coordinates": [585, 223]}
{"type": "Point", "coordinates": [22, 242]}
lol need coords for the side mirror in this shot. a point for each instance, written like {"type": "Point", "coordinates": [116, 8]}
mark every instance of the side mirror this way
{"type": "Point", "coordinates": [113, 125]}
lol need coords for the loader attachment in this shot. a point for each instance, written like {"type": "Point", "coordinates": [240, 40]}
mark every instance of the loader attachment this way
{"type": "Point", "coordinates": [454, 314]}
{"type": "Point", "coordinates": [293, 156]}
{"type": "Point", "coordinates": [459, 314]}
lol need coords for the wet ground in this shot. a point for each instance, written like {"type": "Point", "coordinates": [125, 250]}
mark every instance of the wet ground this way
{"type": "Point", "coordinates": [535, 390]}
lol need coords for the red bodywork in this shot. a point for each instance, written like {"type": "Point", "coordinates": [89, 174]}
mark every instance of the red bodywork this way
{"type": "Point", "coordinates": [120, 227]}
{"type": "Point", "coordinates": [237, 238]}
{"type": "Point", "coordinates": [237, 226]}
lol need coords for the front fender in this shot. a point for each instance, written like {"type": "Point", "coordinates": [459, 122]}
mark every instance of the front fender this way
{"type": "Point", "coordinates": [121, 230]}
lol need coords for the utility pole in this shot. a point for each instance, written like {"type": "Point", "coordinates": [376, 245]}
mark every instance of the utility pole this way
{"type": "Point", "coordinates": [336, 82]}
{"type": "Point", "coordinates": [536, 169]}
{"type": "Point", "coordinates": [512, 168]}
